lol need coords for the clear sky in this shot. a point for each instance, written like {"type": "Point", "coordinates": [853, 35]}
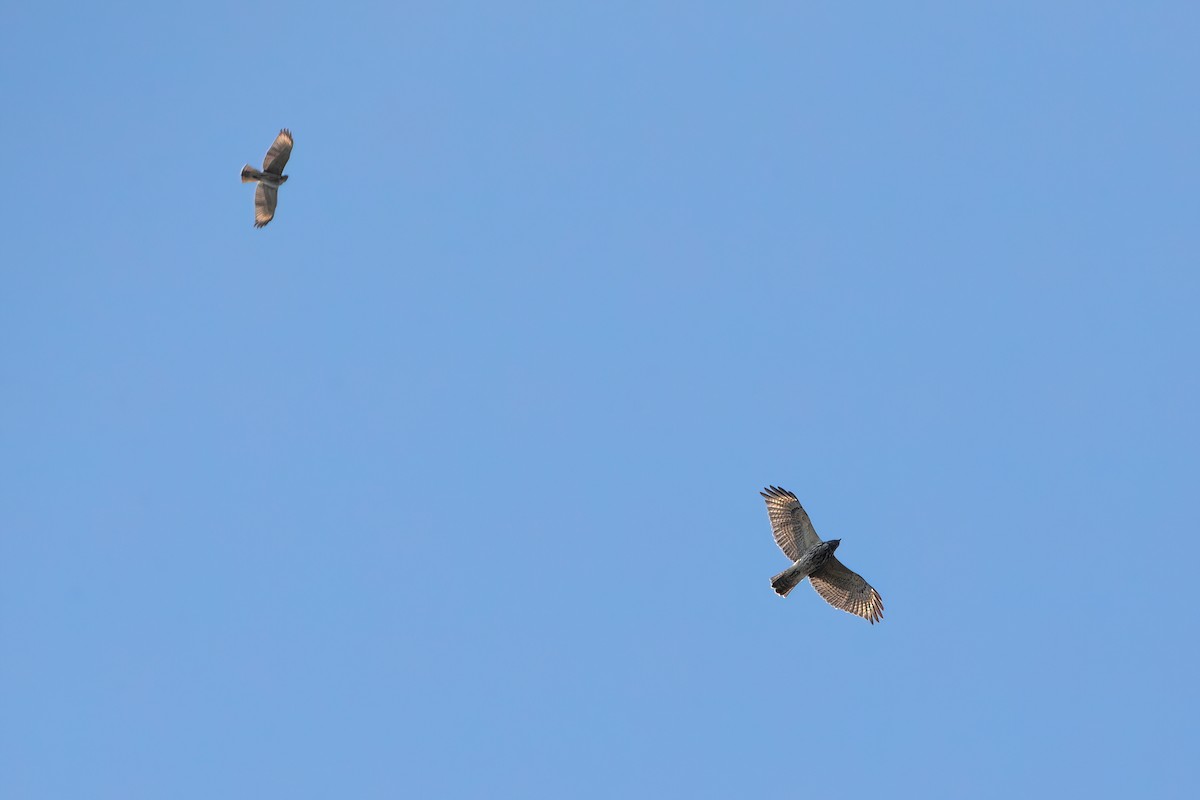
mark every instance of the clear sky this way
{"type": "Point", "coordinates": [445, 484]}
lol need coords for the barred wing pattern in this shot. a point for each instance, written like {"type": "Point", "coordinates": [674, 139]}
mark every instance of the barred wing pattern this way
{"type": "Point", "coordinates": [789, 522]}
{"type": "Point", "coordinates": [265, 198]}
{"type": "Point", "coordinates": [277, 156]}
{"type": "Point", "coordinates": [845, 589]}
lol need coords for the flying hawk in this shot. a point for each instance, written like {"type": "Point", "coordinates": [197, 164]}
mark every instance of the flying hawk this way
{"type": "Point", "coordinates": [814, 559]}
{"type": "Point", "coordinates": [266, 194]}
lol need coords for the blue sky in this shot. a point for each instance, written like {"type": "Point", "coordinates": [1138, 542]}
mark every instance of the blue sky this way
{"type": "Point", "coordinates": [445, 484]}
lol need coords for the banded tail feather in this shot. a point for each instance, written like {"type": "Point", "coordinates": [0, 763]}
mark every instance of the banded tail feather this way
{"type": "Point", "coordinates": [784, 582]}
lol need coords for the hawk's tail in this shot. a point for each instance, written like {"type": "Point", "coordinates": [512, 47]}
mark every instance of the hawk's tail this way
{"type": "Point", "coordinates": [250, 174]}
{"type": "Point", "coordinates": [785, 581]}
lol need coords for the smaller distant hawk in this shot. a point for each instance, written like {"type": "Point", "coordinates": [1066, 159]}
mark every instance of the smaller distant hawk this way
{"type": "Point", "coordinates": [814, 559]}
{"type": "Point", "coordinates": [266, 194]}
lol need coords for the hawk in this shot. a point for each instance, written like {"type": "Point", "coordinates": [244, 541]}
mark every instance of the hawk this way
{"type": "Point", "coordinates": [814, 559]}
{"type": "Point", "coordinates": [266, 194]}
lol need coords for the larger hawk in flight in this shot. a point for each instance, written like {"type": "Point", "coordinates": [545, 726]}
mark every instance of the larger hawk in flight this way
{"type": "Point", "coordinates": [814, 559]}
{"type": "Point", "coordinates": [266, 194]}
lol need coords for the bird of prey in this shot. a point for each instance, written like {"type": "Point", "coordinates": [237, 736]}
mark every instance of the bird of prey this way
{"type": "Point", "coordinates": [266, 194]}
{"type": "Point", "coordinates": [814, 559]}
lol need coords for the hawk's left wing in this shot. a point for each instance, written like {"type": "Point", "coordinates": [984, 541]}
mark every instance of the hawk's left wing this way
{"type": "Point", "coordinates": [265, 198]}
{"type": "Point", "coordinates": [845, 589]}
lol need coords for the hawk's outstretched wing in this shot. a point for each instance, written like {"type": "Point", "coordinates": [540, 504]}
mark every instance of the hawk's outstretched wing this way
{"type": "Point", "coordinates": [789, 522]}
{"type": "Point", "coordinates": [845, 589]}
{"type": "Point", "coordinates": [265, 198]}
{"type": "Point", "coordinates": [277, 156]}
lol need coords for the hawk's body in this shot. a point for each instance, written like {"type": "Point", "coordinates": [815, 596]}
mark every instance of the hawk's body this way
{"type": "Point", "coordinates": [814, 559]}
{"type": "Point", "coordinates": [266, 194]}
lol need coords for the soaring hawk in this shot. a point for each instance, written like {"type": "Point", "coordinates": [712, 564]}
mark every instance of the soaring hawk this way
{"type": "Point", "coordinates": [266, 194]}
{"type": "Point", "coordinates": [814, 559]}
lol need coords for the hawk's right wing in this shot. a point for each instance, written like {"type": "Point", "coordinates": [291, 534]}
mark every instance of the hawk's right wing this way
{"type": "Point", "coordinates": [277, 156]}
{"type": "Point", "coordinates": [845, 589]}
{"type": "Point", "coordinates": [265, 198]}
{"type": "Point", "coordinates": [789, 522]}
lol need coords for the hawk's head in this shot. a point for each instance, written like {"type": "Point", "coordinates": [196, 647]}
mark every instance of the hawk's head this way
{"type": "Point", "coordinates": [833, 544]}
